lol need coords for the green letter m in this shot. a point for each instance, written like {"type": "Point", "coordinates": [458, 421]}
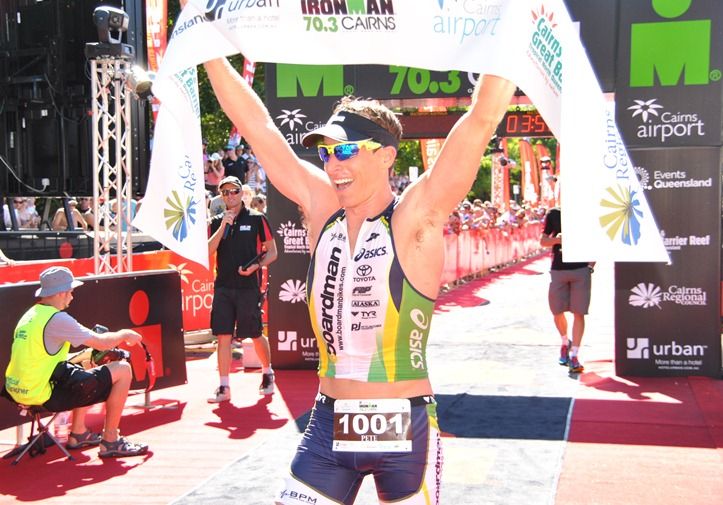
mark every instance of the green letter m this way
{"type": "Point", "coordinates": [669, 49]}
{"type": "Point", "coordinates": [329, 79]}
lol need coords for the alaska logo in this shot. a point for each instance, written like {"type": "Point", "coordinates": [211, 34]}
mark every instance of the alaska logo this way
{"type": "Point", "coordinates": [214, 9]}
{"type": "Point", "coordinates": [624, 218]}
{"type": "Point", "coordinates": [545, 46]}
{"type": "Point", "coordinates": [179, 216]}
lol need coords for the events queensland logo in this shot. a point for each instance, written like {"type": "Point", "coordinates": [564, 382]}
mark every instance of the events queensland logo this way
{"type": "Point", "coordinates": [545, 47]}
{"type": "Point", "coordinates": [623, 214]}
{"type": "Point", "coordinates": [349, 15]}
{"type": "Point", "coordinates": [663, 125]}
{"type": "Point", "coordinates": [670, 179]}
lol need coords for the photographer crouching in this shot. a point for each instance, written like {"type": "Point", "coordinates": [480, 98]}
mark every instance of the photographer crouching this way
{"type": "Point", "coordinates": [39, 373]}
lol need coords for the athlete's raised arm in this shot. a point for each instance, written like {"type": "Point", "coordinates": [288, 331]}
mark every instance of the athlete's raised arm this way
{"type": "Point", "coordinates": [294, 178]}
{"type": "Point", "coordinates": [441, 188]}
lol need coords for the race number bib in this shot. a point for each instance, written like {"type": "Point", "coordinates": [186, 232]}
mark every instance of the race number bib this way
{"type": "Point", "coordinates": [372, 425]}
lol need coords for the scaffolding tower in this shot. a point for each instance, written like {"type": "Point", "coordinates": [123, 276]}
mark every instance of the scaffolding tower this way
{"type": "Point", "coordinates": [111, 145]}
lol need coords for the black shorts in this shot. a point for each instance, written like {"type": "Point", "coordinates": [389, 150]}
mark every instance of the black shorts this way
{"type": "Point", "coordinates": [75, 387]}
{"type": "Point", "coordinates": [236, 312]}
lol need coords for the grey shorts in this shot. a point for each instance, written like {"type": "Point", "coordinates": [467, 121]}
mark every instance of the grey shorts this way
{"type": "Point", "coordinates": [570, 290]}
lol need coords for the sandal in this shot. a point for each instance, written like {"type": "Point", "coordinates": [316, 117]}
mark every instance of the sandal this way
{"type": "Point", "coordinates": [86, 439]}
{"type": "Point", "coordinates": [121, 448]}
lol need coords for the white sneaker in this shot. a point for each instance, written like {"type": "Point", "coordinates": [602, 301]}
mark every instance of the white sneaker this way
{"type": "Point", "coordinates": [267, 384]}
{"type": "Point", "coordinates": [222, 394]}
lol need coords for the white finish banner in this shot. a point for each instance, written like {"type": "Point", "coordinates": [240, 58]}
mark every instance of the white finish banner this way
{"type": "Point", "coordinates": [527, 42]}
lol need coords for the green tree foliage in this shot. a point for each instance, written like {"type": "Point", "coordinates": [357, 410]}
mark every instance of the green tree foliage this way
{"type": "Point", "coordinates": [215, 125]}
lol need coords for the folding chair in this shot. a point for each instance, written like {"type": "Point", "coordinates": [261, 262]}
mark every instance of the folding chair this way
{"type": "Point", "coordinates": [40, 434]}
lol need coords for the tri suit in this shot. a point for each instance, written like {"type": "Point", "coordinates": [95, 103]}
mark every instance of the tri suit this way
{"type": "Point", "coordinates": [371, 325]}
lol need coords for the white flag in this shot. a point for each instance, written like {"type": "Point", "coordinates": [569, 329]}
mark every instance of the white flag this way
{"type": "Point", "coordinates": [527, 42]}
{"type": "Point", "coordinates": [174, 206]}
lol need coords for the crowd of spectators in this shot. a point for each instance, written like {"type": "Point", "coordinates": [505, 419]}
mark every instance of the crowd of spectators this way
{"type": "Point", "coordinates": [233, 160]}
{"type": "Point", "coordinates": [479, 215]}
{"type": "Point", "coordinates": [55, 213]}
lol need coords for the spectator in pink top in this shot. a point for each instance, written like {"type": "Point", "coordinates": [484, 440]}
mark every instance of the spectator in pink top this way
{"type": "Point", "coordinates": [213, 173]}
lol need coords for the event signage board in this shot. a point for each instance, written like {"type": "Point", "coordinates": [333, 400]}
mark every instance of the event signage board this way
{"type": "Point", "coordinates": [669, 73]}
{"type": "Point", "coordinates": [667, 316]}
{"type": "Point", "coordinates": [292, 340]}
{"type": "Point", "coordinates": [148, 302]}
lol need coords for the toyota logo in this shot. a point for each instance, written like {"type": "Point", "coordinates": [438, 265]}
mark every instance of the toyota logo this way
{"type": "Point", "coordinates": [363, 270]}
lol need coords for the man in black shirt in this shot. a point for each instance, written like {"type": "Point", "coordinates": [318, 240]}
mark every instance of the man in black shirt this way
{"type": "Point", "coordinates": [234, 165]}
{"type": "Point", "coordinates": [238, 236]}
{"type": "Point", "coordinates": [570, 285]}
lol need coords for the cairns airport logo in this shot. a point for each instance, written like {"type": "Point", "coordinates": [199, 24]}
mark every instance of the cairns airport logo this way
{"type": "Point", "coordinates": [640, 348]}
{"type": "Point", "coordinates": [648, 295]}
{"type": "Point", "coordinates": [462, 19]}
{"type": "Point", "coordinates": [662, 125]}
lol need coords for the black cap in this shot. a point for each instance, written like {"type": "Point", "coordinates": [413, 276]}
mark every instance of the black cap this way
{"type": "Point", "coordinates": [347, 126]}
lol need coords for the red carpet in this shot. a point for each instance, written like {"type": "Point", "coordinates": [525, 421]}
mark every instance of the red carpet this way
{"type": "Point", "coordinates": [630, 441]}
{"type": "Point", "coordinates": [187, 445]}
{"type": "Point", "coordinates": [644, 441]}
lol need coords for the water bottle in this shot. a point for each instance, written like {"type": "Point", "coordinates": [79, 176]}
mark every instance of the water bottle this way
{"type": "Point", "coordinates": [61, 426]}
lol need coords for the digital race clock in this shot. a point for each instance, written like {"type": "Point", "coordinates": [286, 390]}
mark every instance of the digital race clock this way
{"type": "Point", "coordinates": [523, 123]}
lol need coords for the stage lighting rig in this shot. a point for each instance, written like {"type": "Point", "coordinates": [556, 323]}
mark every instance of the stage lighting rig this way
{"type": "Point", "coordinates": [111, 23]}
{"type": "Point", "coordinates": [109, 20]}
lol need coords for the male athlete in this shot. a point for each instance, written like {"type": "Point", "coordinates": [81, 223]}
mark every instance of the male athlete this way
{"type": "Point", "coordinates": [375, 412]}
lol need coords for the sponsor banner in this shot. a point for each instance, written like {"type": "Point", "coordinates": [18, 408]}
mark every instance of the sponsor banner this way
{"type": "Point", "coordinates": [667, 317]}
{"type": "Point", "coordinates": [527, 42]}
{"type": "Point", "coordinates": [683, 189]}
{"type": "Point", "coordinates": [196, 281]}
{"type": "Point", "coordinates": [148, 302]}
{"type": "Point", "coordinates": [156, 39]}
{"type": "Point", "coordinates": [669, 76]}
{"type": "Point", "coordinates": [293, 344]}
